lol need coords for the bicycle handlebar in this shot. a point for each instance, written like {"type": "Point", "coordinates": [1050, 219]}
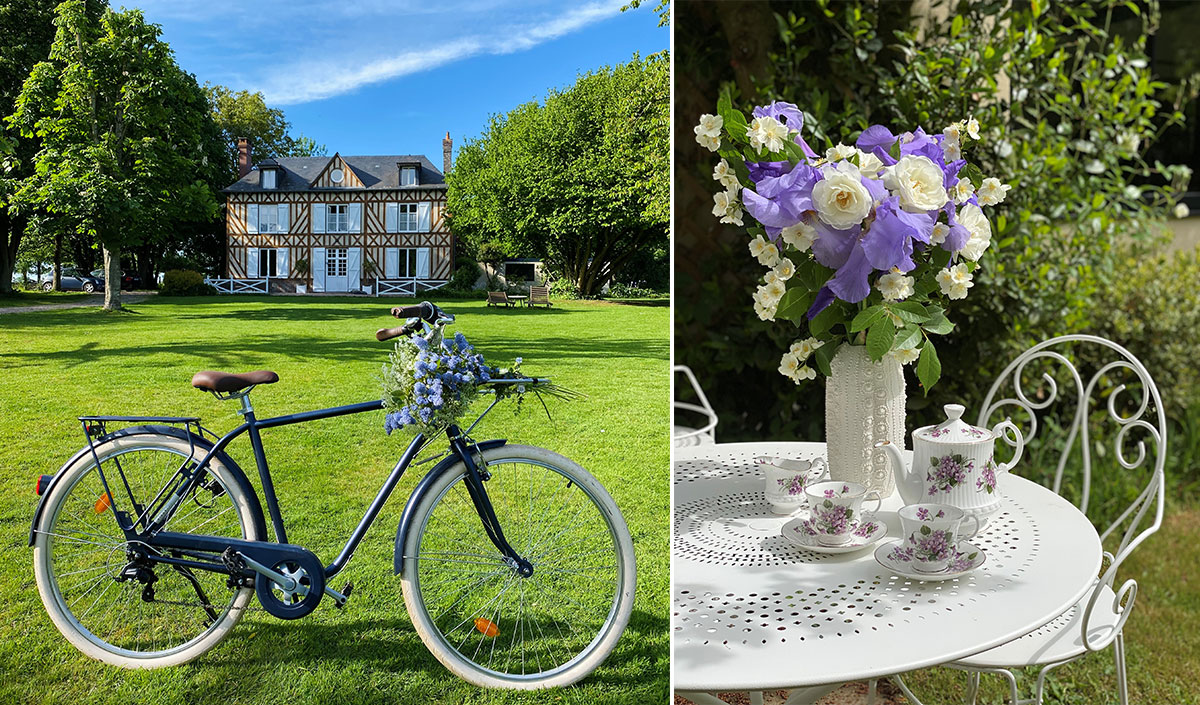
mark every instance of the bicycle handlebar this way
{"type": "Point", "coordinates": [423, 312]}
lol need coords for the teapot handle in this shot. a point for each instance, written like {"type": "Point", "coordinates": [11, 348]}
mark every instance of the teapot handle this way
{"type": "Point", "coordinates": [1008, 430]}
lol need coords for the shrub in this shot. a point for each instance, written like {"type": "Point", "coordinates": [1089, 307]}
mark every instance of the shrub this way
{"type": "Point", "coordinates": [563, 288]}
{"type": "Point", "coordinates": [618, 290]}
{"type": "Point", "coordinates": [184, 282]}
{"type": "Point", "coordinates": [466, 273]}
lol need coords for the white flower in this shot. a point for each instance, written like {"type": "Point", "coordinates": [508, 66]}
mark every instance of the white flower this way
{"type": "Point", "coordinates": [1094, 167]}
{"type": "Point", "coordinates": [918, 183]}
{"type": "Point", "coordinates": [953, 132]}
{"type": "Point", "coordinates": [840, 152]}
{"type": "Point", "coordinates": [766, 132]}
{"type": "Point", "coordinates": [785, 269]}
{"type": "Point", "coordinates": [766, 252]}
{"type": "Point", "coordinates": [1133, 192]}
{"type": "Point", "coordinates": [955, 281]}
{"type": "Point", "coordinates": [1021, 94]}
{"type": "Point", "coordinates": [952, 149]}
{"type": "Point", "coordinates": [770, 276]}
{"type": "Point", "coordinates": [895, 286]}
{"type": "Point", "coordinates": [840, 198]}
{"type": "Point", "coordinates": [708, 132]}
{"type": "Point", "coordinates": [773, 291]}
{"type": "Point", "coordinates": [1182, 210]}
{"type": "Point", "coordinates": [962, 190]}
{"type": "Point", "coordinates": [869, 165]}
{"type": "Point", "coordinates": [1128, 142]}
{"type": "Point", "coordinates": [1084, 146]}
{"type": "Point", "coordinates": [991, 191]}
{"type": "Point", "coordinates": [973, 219]}
{"type": "Point", "coordinates": [973, 128]}
{"type": "Point", "coordinates": [803, 348]}
{"type": "Point", "coordinates": [940, 231]}
{"type": "Point", "coordinates": [800, 236]}
{"type": "Point", "coordinates": [726, 176]}
{"type": "Point", "coordinates": [727, 207]}
{"type": "Point", "coordinates": [789, 365]}
{"type": "Point", "coordinates": [765, 313]}
{"type": "Point", "coordinates": [906, 356]}
{"type": "Point", "coordinates": [804, 373]}
{"type": "Point", "coordinates": [1004, 149]}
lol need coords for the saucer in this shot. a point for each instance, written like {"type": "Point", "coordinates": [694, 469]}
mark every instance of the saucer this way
{"type": "Point", "coordinates": [967, 557]}
{"type": "Point", "coordinates": [796, 532]}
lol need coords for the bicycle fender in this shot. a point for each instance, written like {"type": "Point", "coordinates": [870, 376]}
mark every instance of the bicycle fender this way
{"type": "Point", "coordinates": [422, 489]}
{"type": "Point", "coordinates": [203, 445]}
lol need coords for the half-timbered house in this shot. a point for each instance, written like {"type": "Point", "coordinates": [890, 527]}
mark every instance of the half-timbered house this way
{"type": "Point", "coordinates": [367, 224]}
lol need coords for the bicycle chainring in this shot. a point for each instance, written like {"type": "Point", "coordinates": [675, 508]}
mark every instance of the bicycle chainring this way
{"type": "Point", "coordinates": [309, 575]}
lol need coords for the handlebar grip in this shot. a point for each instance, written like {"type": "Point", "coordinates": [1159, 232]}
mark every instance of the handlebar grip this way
{"type": "Point", "coordinates": [389, 333]}
{"type": "Point", "coordinates": [424, 310]}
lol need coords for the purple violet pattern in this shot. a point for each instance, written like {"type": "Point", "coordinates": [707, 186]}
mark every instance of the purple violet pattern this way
{"type": "Point", "coordinates": [961, 562]}
{"type": "Point", "coordinates": [924, 515]}
{"type": "Point", "coordinates": [866, 529]}
{"type": "Point", "coordinates": [793, 485]}
{"type": "Point", "coordinates": [947, 472]}
{"type": "Point", "coordinates": [832, 519]}
{"type": "Point", "coordinates": [987, 478]}
{"type": "Point", "coordinates": [933, 544]}
{"type": "Point", "coordinates": [938, 432]}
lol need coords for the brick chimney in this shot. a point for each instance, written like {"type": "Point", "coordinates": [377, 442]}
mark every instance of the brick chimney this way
{"type": "Point", "coordinates": [243, 157]}
{"type": "Point", "coordinates": [447, 152]}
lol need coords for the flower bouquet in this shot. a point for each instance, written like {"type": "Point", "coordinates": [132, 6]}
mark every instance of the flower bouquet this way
{"type": "Point", "coordinates": [865, 244]}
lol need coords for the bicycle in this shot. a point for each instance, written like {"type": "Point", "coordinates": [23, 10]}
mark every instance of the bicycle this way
{"type": "Point", "coordinates": [534, 594]}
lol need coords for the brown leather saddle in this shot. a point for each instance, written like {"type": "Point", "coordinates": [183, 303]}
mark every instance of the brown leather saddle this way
{"type": "Point", "coordinates": [225, 382]}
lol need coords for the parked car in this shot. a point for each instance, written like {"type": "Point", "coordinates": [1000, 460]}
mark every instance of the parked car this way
{"type": "Point", "coordinates": [128, 281]}
{"type": "Point", "coordinates": [74, 280]}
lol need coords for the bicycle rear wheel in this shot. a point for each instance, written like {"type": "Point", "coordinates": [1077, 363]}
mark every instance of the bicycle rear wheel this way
{"type": "Point", "coordinates": [111, 605]}
{"type": "Point", "coordinates": [477, 615]}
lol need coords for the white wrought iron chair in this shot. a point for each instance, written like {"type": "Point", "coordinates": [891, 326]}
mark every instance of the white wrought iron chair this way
{"type": "Point", "coordinates": [685, 436]}
{"type": "Point", "coordinates": [1098, 619]}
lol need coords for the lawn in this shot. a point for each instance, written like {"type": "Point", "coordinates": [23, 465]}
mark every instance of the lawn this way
{"type": "Point", "coordinates": [56, 365]}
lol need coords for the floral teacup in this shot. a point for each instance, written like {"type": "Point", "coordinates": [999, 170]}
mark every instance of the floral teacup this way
{"type": "Point", "coordinates": [931, 531]}
{"type": "Point", "coordinates": [786, 479]}
{"type": "Point", "coordinates": [836, 508]}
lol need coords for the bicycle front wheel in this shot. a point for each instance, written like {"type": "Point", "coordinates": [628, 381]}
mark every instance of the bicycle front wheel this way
{"type": "Point", "coordinates": [478, 615]}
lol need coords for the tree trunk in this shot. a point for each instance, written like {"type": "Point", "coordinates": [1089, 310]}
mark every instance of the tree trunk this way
{"type": "Point", "coordinates": [57, 275]}
{"type": "Point", "coordinates": [112, 279]}
{"type": "Point", "coordinates": [10, 240]}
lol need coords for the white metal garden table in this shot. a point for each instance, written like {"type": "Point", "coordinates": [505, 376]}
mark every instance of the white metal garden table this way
{"type": "Point", "coordinates": [752, 611]}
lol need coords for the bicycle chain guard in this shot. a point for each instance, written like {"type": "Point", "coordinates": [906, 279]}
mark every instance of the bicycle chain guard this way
{"type": "Point", "coordinates": [309, 575]}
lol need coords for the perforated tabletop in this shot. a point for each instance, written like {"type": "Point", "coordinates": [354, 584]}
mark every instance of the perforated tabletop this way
{"type": "Point", "coordinates": [752, 611]}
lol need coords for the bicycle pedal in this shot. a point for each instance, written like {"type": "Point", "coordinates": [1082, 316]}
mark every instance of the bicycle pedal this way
{"type": "Point", "coordinates": [348, 589]}
{"type": "Point", "coordinates": [340, 598]}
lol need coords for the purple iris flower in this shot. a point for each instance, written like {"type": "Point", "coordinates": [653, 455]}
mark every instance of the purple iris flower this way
{"type": "Point", "coordinates": [778, 201]}
{"type": "Point", "coordinates": [789, 114]}
{"type": "Point", "coordinates": [957, 238]}
{"type": "Point", "coordinates": [877, 140]}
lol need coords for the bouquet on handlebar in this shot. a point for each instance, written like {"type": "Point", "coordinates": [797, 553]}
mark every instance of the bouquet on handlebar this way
{"type": "Point", "coordinates": [431, 383]}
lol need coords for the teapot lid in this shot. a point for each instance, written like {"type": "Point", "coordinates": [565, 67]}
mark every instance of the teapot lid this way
{"type": "Point", "coordinates": [953, 429]}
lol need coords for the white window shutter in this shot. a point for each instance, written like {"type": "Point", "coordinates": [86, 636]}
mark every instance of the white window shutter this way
{"type": "Point", "coordinates": [281, 262]}
{"type": "Point", "coordinates": [252, 218]}
{"type": "Point", "coordinates": [252, 263]}
{"type": "Point", "coordinates": [389, 217]}
{"type": "Point", "coordinates": [355, 211]}
{"type": "Point", "coordinates": [391, 261]}
{"type": "Point", "coordinates": [318, 267]}
{"type": "Point", "coordinates": [283, 218]}
{"type": "Point", "coordinates": [424, 212]}
{"type": "Point", "coordinates": [318, 226]}
{"type": "Point", "coordinates": [422, 263]}
{"type": "Point", "coordinates": [354, 267]}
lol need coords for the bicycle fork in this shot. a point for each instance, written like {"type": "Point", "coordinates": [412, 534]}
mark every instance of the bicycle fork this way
{"type": "Point", "coordinates": [483, 504]}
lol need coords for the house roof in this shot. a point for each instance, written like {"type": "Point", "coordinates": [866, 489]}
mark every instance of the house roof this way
{"type": "Point", "coordinates": [376, 173]}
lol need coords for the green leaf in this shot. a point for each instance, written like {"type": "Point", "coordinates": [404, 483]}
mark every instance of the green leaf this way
{"type": "Point", "coordinates": [821, 323]}
{"type": "Point", "coordinates": [827, 504]}
{"type": "Point", "coordinates": [824, 354]}
{"type": "Point", "coordinates": [956, 26]}
{"type": "Point", "coordinates": [925, 530]}
{"type": "Point", "coordinates": [867, 317]}
{"type": "Point", "coordinates": [929, 368]}
{"type": "Point", "coordinates": [907, 338]}
{"type": "Point", "coordinates": [972, 172]}
{"type": "Point", "coordinates": [909, 311]}
{"type": "Point", "coordinates": [794, 304]}
{"type": "Point", "coordinates": [879, 339]}
{"type": "Point", "coordinates": [812, 274]}
{"type": "Point", "coordinates": [895, 150]}
{"type": "Point", "coordinates": [938, 324]}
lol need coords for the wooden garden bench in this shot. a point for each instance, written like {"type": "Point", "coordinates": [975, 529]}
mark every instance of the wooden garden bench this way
{"type": "Point", "coordinates": [539, 296]}
{"type": "Point", "coordinates": [499, 298]}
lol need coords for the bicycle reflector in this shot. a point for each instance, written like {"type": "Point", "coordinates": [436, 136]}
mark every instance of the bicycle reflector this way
{"type": "Point", "coordinates": [486, 627]}
{"type": "Point", "coordinates": [43, 482]}
{"type": "Point", "coordinates": [103, 503]}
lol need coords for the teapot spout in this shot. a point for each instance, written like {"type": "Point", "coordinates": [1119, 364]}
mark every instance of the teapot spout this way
{"type": "Point", "coordinates": [904, 478]}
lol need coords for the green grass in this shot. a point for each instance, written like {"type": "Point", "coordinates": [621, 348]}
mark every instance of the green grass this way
{"type": "Point", "coordinates": [41, 298]}
{"type": "Point", "coordinates": [56, 365]}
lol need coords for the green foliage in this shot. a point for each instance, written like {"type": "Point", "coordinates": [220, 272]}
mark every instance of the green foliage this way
{"type": "Point", "coordinates": [579, 181]}
{"type": "Point", "coordinates": [245, 114]}
{"type": "Point", "coordinates": [466, 273]}
{"type": "Point", "coordinates": [564, 289]}
{"type": "Point", "coordinates": [183, 282]}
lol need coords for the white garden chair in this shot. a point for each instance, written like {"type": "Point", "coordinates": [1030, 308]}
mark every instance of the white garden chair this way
{"type": "Point", "coordinates": [683, 436]}
{"type": "Point", "coordinates": [1098, 619]}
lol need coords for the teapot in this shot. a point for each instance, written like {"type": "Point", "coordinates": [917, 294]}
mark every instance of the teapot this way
{"type": "Point", "coordinates": [953, 463]}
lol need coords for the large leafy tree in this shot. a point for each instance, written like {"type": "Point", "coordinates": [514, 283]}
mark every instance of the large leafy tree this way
{"type": "Point", "coordinates": [28, 29]}
{"type": "Point", "coordinates": [245, 114]}
{"type": "Point", "coordinates": [124, 134]}
{"type": "Point", "coordinates": [580, 180]}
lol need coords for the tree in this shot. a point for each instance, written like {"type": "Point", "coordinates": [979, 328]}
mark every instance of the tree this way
{"type": "Point", "coordinates": [580, 181]}
{"type": "Point", "coordinates": [28, 29]}
{"type": "Point", "coordinates": [245, 114]}
{"type": "Point", "coordinates": [123, 134]}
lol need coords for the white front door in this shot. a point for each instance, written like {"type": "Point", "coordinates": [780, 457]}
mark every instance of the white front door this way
{"type": "Point", "coordinates": [337, 269]}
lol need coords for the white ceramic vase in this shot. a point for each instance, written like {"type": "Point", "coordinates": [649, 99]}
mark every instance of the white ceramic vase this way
{"type": "Point", "coordinates": [864, 404]}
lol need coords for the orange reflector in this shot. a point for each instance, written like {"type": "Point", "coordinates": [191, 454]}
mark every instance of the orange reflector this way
{"type": "Point", "coordinates": [486, 627]}
{"type": "Point", "coordinates": [103, 503]}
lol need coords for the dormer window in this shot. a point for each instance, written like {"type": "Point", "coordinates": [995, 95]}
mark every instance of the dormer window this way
{"type": "Point", "coordinates": [408, 176]}
{"type": "Point", "coordinates": [268, 178]}
{"type": "Point", "coordinates": [337, 175]}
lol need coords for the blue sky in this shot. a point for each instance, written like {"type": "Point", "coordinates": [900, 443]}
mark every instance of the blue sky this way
{"type": "Point", "coordinates": [393, 76]}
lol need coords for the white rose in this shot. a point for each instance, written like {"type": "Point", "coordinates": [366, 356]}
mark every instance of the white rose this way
{"type": "Point", "coordinates": [840, 152]}
{"type": "Point", "coordinates": [918, 183]}
{"type": "Point", "coordinates": [973, 219]}
{"type": "Point", "coordinates": [1182, 210]}
{"type": "Point", "coordinates": [991, 191]}
{"type": "Point", "coordinates": [840, 198]}
{"type": "Point", "coordinates": [869, 165]}
{"type": "Point", "coordinates": [800, 236]}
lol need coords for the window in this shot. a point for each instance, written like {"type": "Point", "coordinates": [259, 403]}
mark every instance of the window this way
{"type": "Point", "coordinates": [520, 271]}
{"type": "Point", "coordinates": [337, 219]}
{"type": "Point", "coordinates": [267, 263]}
{"type": "Point", "coordinates": [268, 178]}
{"type": "Point", "coordinates": [406, 218]}
{"type": "Point", "coordinates": [268, 219]}
{"type": "Point", "coordinates": [335, 261]}
{"type": "Point", "coordinates": [406, 263]}
{"type": "Point", "coordinates": [408, 176]}
{"type": "Point", "coordinates": [336, 176]}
